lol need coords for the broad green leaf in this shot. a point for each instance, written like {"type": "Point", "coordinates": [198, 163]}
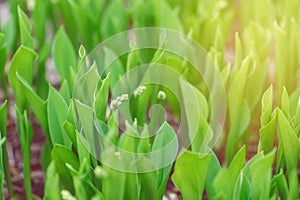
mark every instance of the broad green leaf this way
{"type": "Point", "coordinates": [101, 99]}
{"type": "Point", "coordinates": [290, 146]}
{"type": "Point", "coordinates": [25, 29]}
{"type": "Point", "coordinates": [226, 180]}
{"type": "Point", "coordinates": [213, 169]}
{"type": "Point", "coordinates": [163, 137]}
{"type": "Point", "coordinates": [38, 105]}
{"type": "Point", "coordinates": [242, 188]}
{"type": "Point", "coordinates": [196, 111]}
{"type": "Point", "coordinates": [267, 134]}
{"type": "Point", "coordinates": [52, 190]}
{"type": "Point", "coordinates": [237, 163]}
{"type": "Point", "coordinates": [64, 56]}
{"type": "Point", "coordinates": [262, 168]}
{"type": "Point", "coordinates": [22, 63]}
{"type": "Point", "coordinates": [62, 155]}
{"type": "Point", "coordinates": [268, 123]}
{"type": "Point", "coordinates": [189, 174]}
{"type": "Point", "coordinates": [57, 114]}
{"type": "Point", "coordinates": [280, 183]}
{"type": "Point", "coordinates": [86, 85]}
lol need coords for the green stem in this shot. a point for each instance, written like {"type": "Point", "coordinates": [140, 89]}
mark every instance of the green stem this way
{"type": "Point", "coordinates": [26, 171]}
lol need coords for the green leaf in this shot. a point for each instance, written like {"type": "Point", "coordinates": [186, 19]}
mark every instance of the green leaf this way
{"type": "Point", "coordinates": [148, 181]}
{"type": "Point", "coordinates": [115, 19]}
{"type": "Point", "coordinates": [290, 146]}
{"type": "Point", "coordinates": [39, 15]}
{"type": "Point", "coordinates": [213, 169]}
{"type": "Point", "coordinates": [268, 123]}
{"type": "Point", "coordinates": [114, 181]}
{"type": "Point", "coordinates": [267, 135]}
{"type": "Point", "coordinates": [226, 179]}
{"type": "Point", "coordinates": [52, 190]}
{"type": "Point", "coordinates": [165, 17]}
{"type": "Point", "coordinates": [242, 188]}
{"type": "Point", "coordinates": [267, 104]}
{"type": "Point", "coordinates": [3, 58]}
{"type": "Point", "coordinates": [239, 109]}
{"type": "Point", "coordinates": [25, 135]}
{"type": "Point", "coordinates": [189, 174]}
{"type": "Point", "coordinates": [81, 148]}
{"type": "Point", "coordinates": [57, 114]}
{"type": "Point", "coordinates": [280, 182]}
{"type": "Point", "coordinates": [22, 63]}
{"type": "Point", "coordinates": [2, 141]}
{"type": "Point", "coordinates": [65, 92]}
{"type": "Point", "coordinates": [38, 105]}
{"type": "Point", "coordinates": [41, 82]}
{"type": "Point", "coordinates": [285, 104]}
{"type": "Point", "coordinates": [80, 177]}
{"type": "Point", "coordinates": [262, 168]}
{"type": "Point", "coordinates": [25, 29]}
{"type": "Point", "coordinates": [163, 137]}
{"type": "Point", "coordinates": [64, 56]}
{"type": "Point", "coordinates": [70, 129]}
{"type": "Point", "coordinates": [4, 152]}
{"type": "Point", "coordinates": [86, 85]}
{"type": "Point", "coordinates": [62, 155]}
{"type": "Point", "coordinates": [100, 103]}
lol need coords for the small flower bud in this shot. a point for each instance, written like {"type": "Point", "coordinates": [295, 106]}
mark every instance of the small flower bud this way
{"type": "Point", "coordinates": [161, 95]}
{"type": "Point", "coordinates": [139, 90]}
{"type": "Point", "coordinates": [100, 172]}
{"type": "Point", "coordinates": [66, 195]}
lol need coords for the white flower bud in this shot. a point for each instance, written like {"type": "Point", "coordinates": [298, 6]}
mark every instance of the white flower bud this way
{"type": "Point", "coordinates": [139, 90]}
{"type": "Point", "coordinates": [100, 172]}
{"type": "Point", "coordinates": [161, 95]}
{"type": "Point", "coordinates": [66, 195]}
{"type": "Point", "coordinates": [30, 4]}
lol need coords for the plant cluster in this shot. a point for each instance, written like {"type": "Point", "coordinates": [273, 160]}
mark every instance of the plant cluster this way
{"type": "Point", "coordinates": [260, 76]}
